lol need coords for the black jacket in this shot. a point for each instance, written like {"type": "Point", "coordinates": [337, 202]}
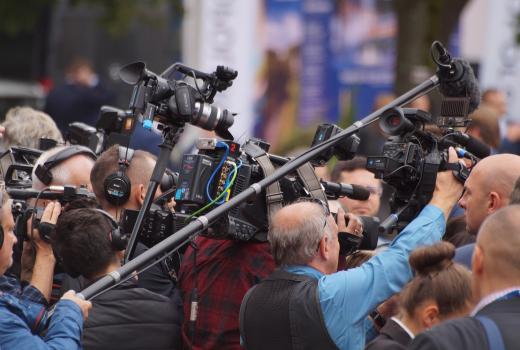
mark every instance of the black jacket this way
{"type": "Point", "coordinates": [391, 337]}
{"type": "Point", "coordinates": [129, 317]}
{"type": "Point", "coordinates": [468, 333]}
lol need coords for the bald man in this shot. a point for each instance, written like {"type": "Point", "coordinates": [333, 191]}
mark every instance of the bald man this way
{"type": "Point", "coordinates": [487, 189]}
{"type": "Point", "coordinates": [496, 285]}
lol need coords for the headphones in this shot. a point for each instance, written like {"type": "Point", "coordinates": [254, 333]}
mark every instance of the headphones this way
{"type": "Point", "coordinates": [117, 240]}
{"type": "Point", "coordinates": [43, 171]}
{"type": "Point", "coordinates": [117, 186]}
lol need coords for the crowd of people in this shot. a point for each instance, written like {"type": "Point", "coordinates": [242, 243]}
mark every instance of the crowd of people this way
{"type": "Point", "coordinates": [449, 280]}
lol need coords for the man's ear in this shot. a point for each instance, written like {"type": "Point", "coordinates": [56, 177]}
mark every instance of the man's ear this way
{"type": "Point", "coordinates": [495, 202]}
{"type": "Point", "coordinates": [139, 194]}
{"type": "Point", "coordinates": [477, 261]}
{"type": "Point", "coordinates": [323, 248]}
{"type": "Point", "coordinates": [120, 254]}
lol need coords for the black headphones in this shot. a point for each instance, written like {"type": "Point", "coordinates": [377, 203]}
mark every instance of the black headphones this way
{"type": "Point", "coordinates": [117, 186]}
{"type": "Point", "coordinates": [43, 171]}
{"type": "Point", "coordinates": [117, 240]}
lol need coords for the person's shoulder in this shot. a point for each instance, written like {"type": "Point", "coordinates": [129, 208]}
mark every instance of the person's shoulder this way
{"type": "Point", "coordinates": [462, 333]}
{"type": "Point", "coordinates": [384, 343]}
{"type": "Point", "coordinates": [132, 305]}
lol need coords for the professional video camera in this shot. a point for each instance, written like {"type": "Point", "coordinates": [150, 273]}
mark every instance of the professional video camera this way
{"type": "Point", "coordinates": [174, 102]}
{"type": "Point", "coordinates": [414, 154]}
{"type": "Point", "coordinates": [220, 171]}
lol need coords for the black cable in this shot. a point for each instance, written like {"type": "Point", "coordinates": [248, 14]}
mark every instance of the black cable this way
{"type": "Point", "coordinates": [194, 299]}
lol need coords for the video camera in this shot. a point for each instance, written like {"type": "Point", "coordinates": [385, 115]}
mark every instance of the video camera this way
{"type": "Point", "coordinates": [174, 102]}
{"type": "Point", "coordinates": [22, 210]}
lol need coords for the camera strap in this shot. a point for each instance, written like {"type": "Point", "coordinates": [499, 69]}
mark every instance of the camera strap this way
{"type": "Point", "coordinates": [273, 192]}
{"type": "Point", "coordinates": [311, 182]}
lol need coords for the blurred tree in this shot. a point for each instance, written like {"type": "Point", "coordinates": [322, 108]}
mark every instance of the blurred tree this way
{"type": "Point", "coordinates": [420, 22]}
{"type": "Point", "coordinates": [518, 28]}
{"type": "Point", "coordinates": [25, 16]}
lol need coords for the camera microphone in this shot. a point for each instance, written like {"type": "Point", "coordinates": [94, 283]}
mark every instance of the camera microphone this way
{"type": "Point", "coordinates": [336, 190]}
{"type": "Point", "coordinates": [473, 145]}
{"type": "Point", "coordinates": [456, 77]}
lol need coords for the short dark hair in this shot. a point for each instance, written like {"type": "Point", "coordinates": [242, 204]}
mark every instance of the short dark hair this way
{"type": "Point", "coordinates": [108, 163]}
{"type": "Point", "coordinates": [457, 233]}
{"type": "Point", "coordinates": [82, 241]}
{"type": "Point", "coordinates": [356, 163]}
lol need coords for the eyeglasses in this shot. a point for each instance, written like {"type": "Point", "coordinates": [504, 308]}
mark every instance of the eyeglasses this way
{"type": "Point", "coordinates": [373, 190]}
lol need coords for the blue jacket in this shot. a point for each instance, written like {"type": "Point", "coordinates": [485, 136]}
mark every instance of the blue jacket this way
{"type": "Point", "coordinates": [18, 317]}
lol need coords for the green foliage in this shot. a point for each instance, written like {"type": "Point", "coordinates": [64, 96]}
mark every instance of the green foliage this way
{"type": "Point", "coordinates": [115, 15]}
{"type": "Point", "coordinates": [21, 16]}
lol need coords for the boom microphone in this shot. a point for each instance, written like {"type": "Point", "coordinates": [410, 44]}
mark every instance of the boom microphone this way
{"type": "Point", "coordinates": [456, 77]}
{"type": "Point", "coordinates": [336, 190]}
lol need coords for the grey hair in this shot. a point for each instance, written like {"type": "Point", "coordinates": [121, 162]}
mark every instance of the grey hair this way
{"type": "Point", "coordinates": [60, 173]}
{"type": "Point", "coordinates": [25, 126]}
{"type": "Point", "coordinates": [298, 245]}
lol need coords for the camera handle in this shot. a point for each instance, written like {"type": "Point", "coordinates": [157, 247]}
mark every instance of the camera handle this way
{"type": "Point", "coordinates": [201, 223]}
{"type": "Point", "coordinates": [171, 135]}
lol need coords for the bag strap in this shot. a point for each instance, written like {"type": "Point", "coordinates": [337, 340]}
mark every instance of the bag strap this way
{"type": "Point", "coordinates": [273, 192]}
{"type": "Point", "coordinates": [493, 334]}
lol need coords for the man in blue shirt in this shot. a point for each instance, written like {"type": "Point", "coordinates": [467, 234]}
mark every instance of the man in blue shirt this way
{"type": "Point", "coordinates": [21, 317]}
{"type": "Point", "coordinates": [306, 303]}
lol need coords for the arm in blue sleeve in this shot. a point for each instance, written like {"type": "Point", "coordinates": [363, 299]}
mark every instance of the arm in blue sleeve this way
{"type": "Point", "coordinates": [64, 331]}
{"type": "Point", "coordinates": [347, 297]}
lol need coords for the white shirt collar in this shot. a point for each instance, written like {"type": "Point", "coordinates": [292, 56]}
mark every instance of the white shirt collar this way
{"type": "Point", "coordinates": [403, 326]}
{"type": "Point", "coordinates": [491, 298]}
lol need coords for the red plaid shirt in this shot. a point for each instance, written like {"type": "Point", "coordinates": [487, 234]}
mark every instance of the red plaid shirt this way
{"type": "Point", "coordinates": [225, 271]}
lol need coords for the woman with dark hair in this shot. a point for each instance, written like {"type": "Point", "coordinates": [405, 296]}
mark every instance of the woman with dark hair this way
{"type": "Point", "coordinates": [440, 290]}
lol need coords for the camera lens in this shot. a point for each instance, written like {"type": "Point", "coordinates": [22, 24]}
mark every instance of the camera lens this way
{"type": "Point", "coordinates": [212, 118]}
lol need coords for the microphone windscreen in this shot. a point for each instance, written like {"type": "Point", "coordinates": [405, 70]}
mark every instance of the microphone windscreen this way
{"type": "Point", "coordinates": [462, 84]}
{"type": "Point", "coordinates": [477, 148]}
{"type": "Point", "coordinates": [359, 193]}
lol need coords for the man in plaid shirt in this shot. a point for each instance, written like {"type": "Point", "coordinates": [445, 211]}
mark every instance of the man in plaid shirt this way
{"type": "Point", "coordinates": [221, 272]}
